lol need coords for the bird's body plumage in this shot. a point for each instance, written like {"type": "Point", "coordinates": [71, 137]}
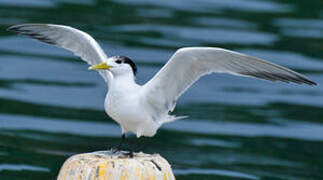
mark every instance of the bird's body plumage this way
{"type": "Point", "coordinates": [143, 109]}
{"type": "Point", "coordinates": [123, 103]}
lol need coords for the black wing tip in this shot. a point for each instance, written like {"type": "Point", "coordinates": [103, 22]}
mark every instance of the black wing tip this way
{"type": "Point", "coordinates": [305, 80]}
{"type": "Point", "coordinates": [309, 82]}
{"type": "Point", "coordinates": [298, 79]}
{"type": "Point", "coordinates": [19, 28]}
{"type": "Point", "coordinates": [14, 28]}
{"type": "Point", "coordinates": [21, 31]}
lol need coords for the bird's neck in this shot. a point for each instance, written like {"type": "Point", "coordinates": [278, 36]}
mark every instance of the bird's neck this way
{"type": "Point", "coordinates": [123, 82]}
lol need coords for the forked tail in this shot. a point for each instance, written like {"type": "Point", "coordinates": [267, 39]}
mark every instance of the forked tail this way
{"type": "Point", "coordinates": [171, 118]}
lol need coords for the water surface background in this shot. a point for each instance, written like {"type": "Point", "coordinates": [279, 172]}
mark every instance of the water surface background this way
{"type": "Point", "coordinates": [51, 106]}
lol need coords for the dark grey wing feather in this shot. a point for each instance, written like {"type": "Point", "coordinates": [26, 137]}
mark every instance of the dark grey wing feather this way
{"type": "Point", "coordinates": [187, 65]}
{"type": "Point", "coordinates": [79, 42]}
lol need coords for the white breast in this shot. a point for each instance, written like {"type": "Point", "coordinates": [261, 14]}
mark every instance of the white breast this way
{"type": "Point", "coordinates": [126, 108]}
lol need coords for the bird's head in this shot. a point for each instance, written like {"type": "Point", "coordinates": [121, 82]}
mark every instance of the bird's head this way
{"type": "Point", "coordinates": [117, 65]}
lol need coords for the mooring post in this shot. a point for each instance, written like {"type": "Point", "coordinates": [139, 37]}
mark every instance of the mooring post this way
{"type": "Point", "coordinates": [107, 165]}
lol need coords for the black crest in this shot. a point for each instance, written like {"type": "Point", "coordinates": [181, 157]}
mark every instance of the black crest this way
{"type": "Point", "coordinates": [126, 60]}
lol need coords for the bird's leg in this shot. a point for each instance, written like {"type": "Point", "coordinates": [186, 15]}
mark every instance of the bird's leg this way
{"type": "Point", "coordinates": [123, 138]}
{"type": "Point", "coordinates": [118, 148]}
{"type": "Point", "coordinates": [130, 154]}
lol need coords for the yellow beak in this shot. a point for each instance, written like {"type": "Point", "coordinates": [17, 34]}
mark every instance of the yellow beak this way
{"type": "Point", "coordinates": [100, 66]}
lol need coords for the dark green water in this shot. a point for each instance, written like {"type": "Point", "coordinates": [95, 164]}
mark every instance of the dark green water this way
{"type": "Point", "coordinates": [51, 106]}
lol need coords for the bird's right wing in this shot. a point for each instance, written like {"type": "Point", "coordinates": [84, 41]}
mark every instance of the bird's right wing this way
{"type": "Point", "coordinates": [187, 65]}
{"type": "Point", "coordinates": [79, 42]}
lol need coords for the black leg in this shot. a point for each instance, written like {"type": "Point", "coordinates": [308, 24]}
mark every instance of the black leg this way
{"type": "Point", "coordinates": [123, 138]}
{"type": "Point", "coordinates": [130, 154]}
{"type": "Point", "coordinates": [136, 145]}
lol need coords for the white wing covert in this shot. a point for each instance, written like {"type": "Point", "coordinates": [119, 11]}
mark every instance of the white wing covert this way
{"type": "Point", "coordinates": [187, 65]}
{"type": "Point", "coordinates": [79, 42]}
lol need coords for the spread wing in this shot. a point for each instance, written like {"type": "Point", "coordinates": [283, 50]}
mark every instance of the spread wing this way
{"type": "Point", "coordinates": [187, 65]}
{"type": "Point", "coordinates": [79, 42]}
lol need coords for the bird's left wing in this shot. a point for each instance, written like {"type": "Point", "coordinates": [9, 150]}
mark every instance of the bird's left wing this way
{"type": "Point", "coordinates": [79, 42]}
{"type": "Point", "coordinates": [187, 65]}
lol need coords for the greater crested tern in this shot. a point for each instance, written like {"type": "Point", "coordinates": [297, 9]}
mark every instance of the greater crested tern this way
{"type": "Point", "coordinates": [142, 109]}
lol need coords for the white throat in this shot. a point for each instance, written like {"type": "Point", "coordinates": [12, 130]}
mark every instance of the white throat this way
{"type": "Point", "coordinates": [124, 81]}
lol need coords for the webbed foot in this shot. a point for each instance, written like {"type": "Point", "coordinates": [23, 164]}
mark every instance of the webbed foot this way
{"type": "Point", "coordinates": [129, 154]}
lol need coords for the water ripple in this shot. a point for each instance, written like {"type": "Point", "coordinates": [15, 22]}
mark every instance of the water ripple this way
{"type": "Point", "coordinates": [14, 122]}
{"type": "Point", "coordinates": [199, 34]}
{"type": "Point", "coordinates": [22, 167]}
{"type": "Point", "coordinates": [214, 6]}
{"type": "Point", "coordinates": [29, 3]}
{"type": "Point", "coordinates": [293, 130]}
{"type": "Point", "coordinates": [220, 172]}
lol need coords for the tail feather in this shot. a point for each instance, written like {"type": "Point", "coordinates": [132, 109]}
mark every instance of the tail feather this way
{"type": "Point", "coordinates": [171, 118]}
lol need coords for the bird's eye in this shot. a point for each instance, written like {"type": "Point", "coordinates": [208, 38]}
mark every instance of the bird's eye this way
{"type": "Point", "coordinates": [118, 61]}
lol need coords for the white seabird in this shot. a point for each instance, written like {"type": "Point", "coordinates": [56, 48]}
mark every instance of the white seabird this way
{"type": "Point", "coordinates": [142, 109]}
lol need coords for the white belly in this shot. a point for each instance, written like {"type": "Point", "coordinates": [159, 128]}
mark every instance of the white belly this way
{"type": "Point", "coordinates": [131, 116]}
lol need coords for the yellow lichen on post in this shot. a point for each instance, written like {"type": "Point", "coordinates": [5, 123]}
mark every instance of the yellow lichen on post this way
{"type": "Point", "coordinates": [106, 165]}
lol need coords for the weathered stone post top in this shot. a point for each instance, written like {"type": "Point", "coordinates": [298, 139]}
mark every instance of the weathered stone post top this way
{"type": "Point", "coordinates": [107, 165]}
